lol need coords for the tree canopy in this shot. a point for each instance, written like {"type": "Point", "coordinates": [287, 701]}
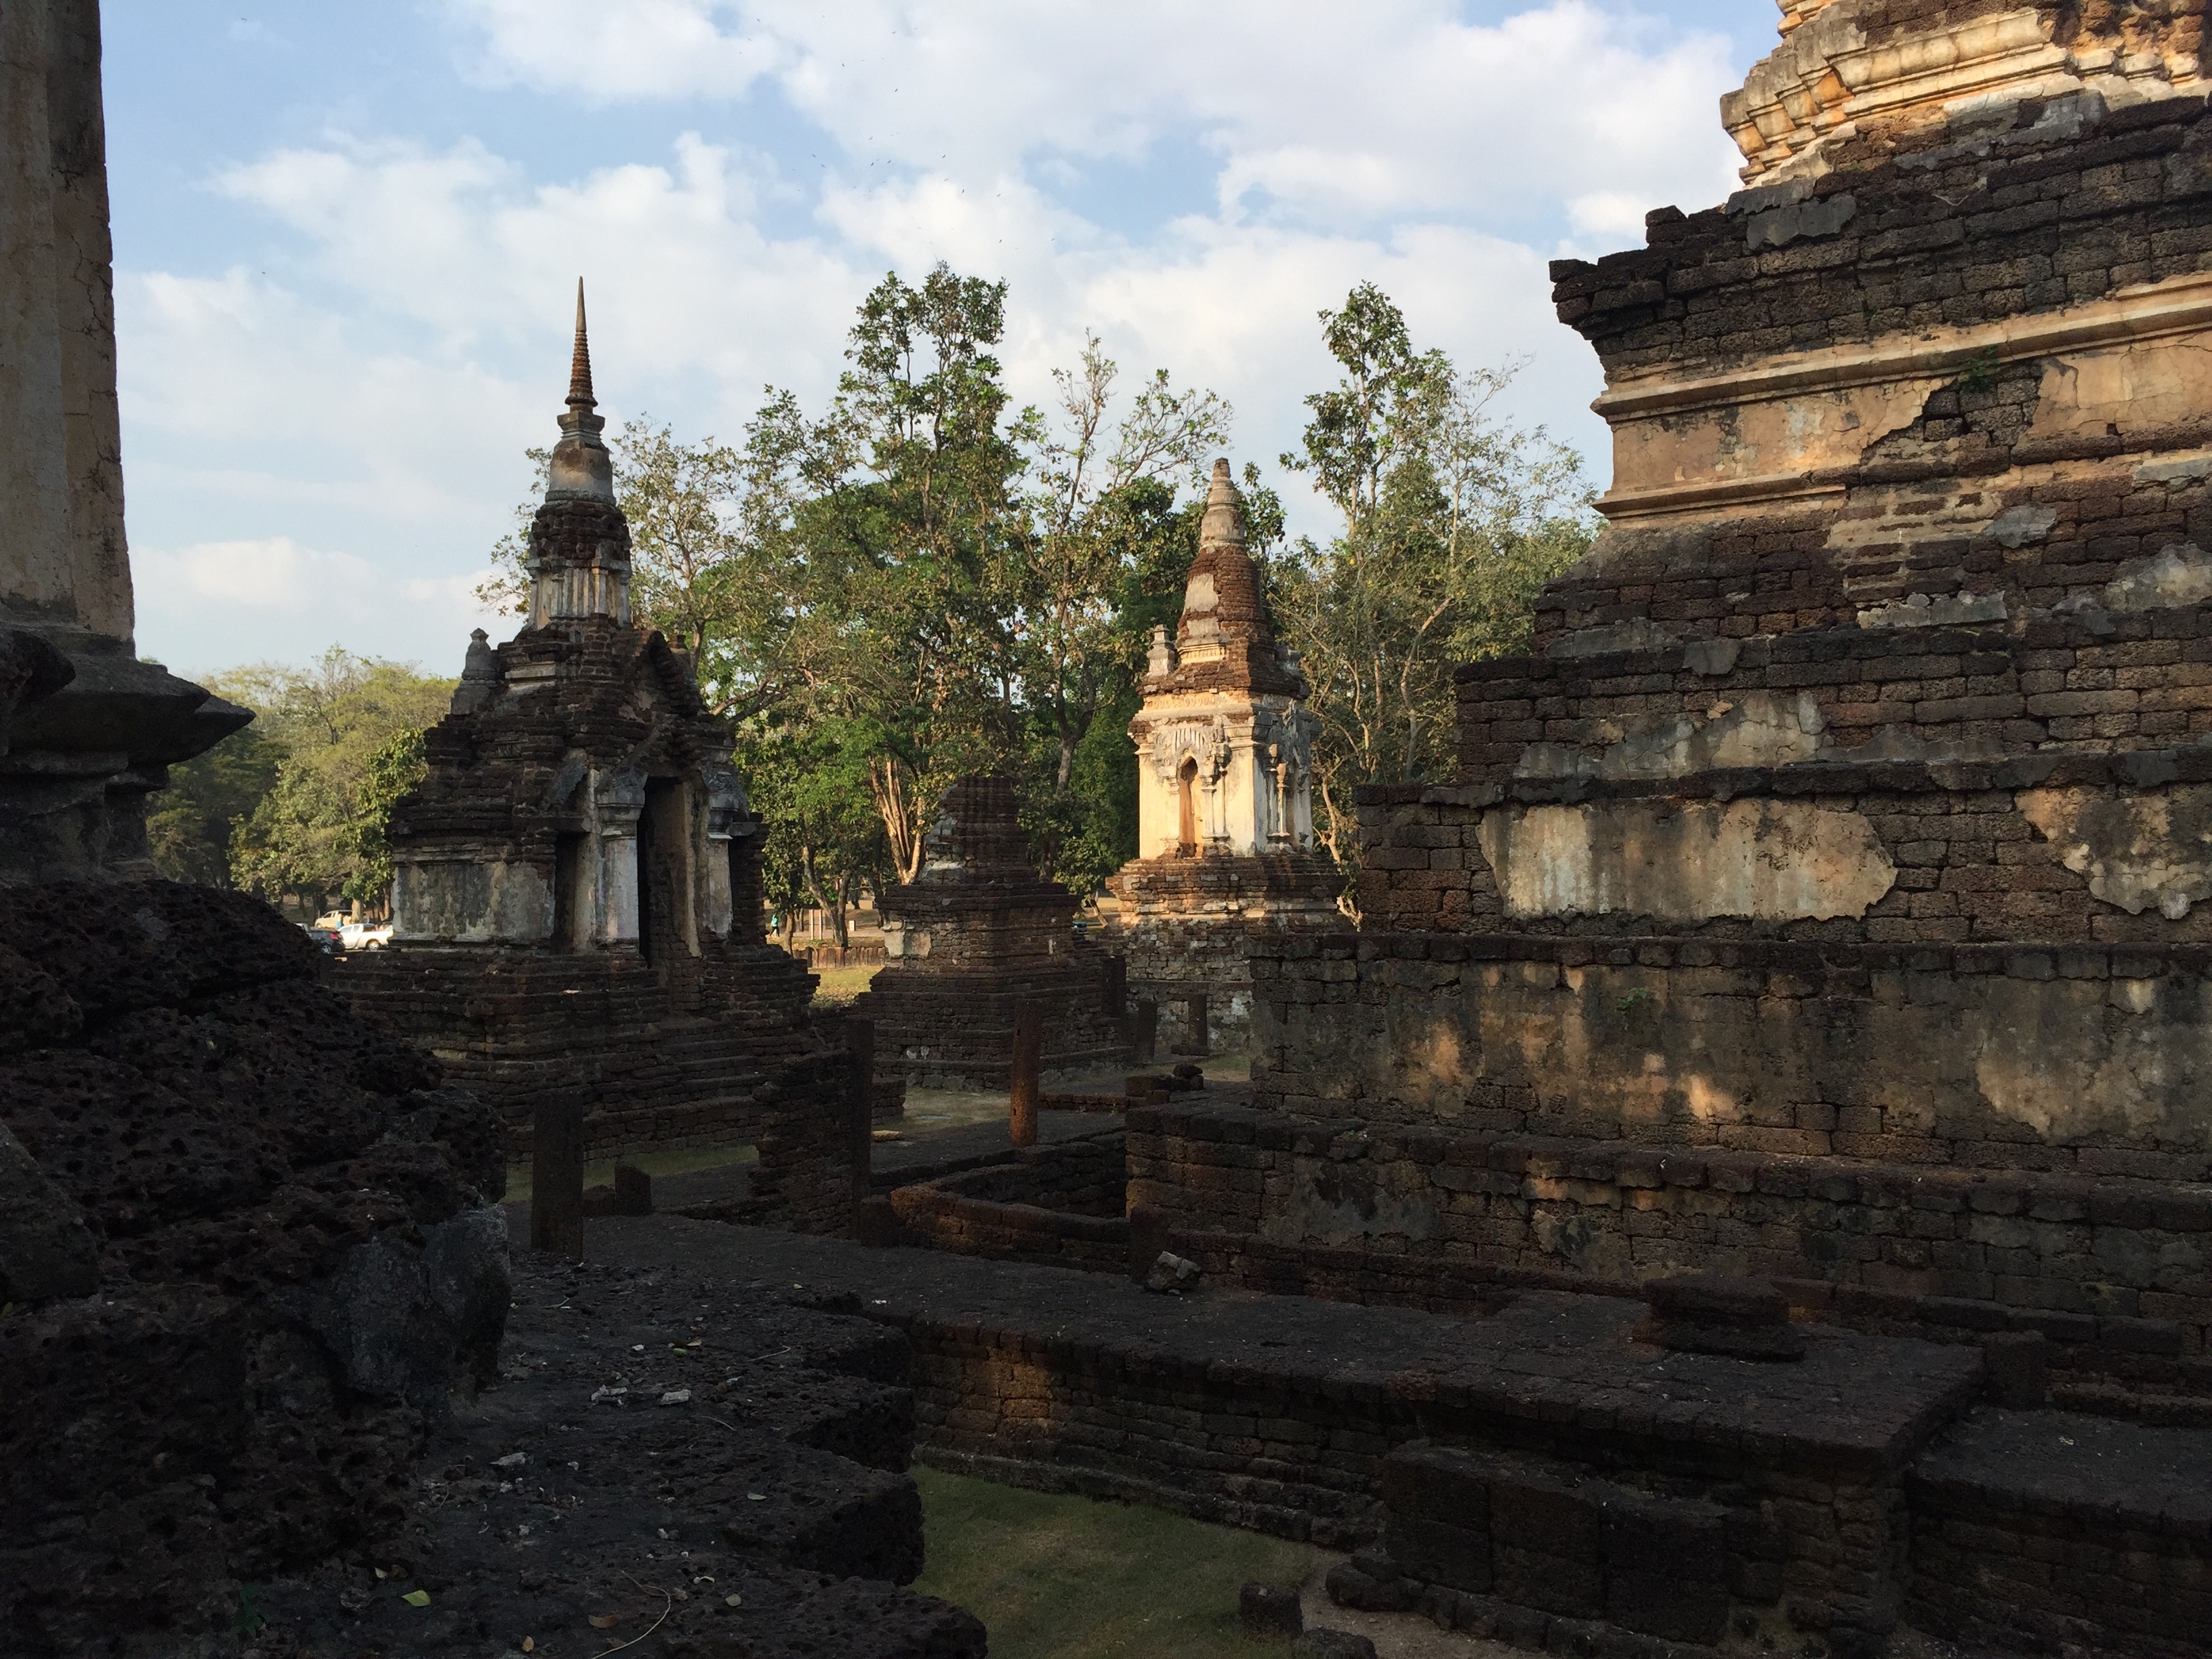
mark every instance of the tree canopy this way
{"type": "Point", "coordinates": [296, 804]}
{"type": "Point", "coordinates": [919, 578]}
{"type": "Point", "coordinates": [1453, 519]}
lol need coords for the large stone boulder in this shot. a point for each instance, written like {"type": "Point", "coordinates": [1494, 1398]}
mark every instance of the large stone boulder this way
{"type": "Point", "coordinates": [249, 1252]}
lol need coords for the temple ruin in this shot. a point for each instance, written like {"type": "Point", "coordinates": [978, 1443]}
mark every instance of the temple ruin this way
{"type": "Point", "coordinates": [1226, 864]}
{"type": "Point", "coordinates": [1745, 1187]}
{"type": "Point", "coordinates": [976, 931]}
{"type": "Point", "coordinates": [576, 910]}
{"type": "Point", "coordinates": [1746, 1184]}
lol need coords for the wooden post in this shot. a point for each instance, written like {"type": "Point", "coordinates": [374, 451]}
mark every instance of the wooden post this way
{"type": "Point", "coordinates": [860, 1109]}
{"type": "Point", "coordinates": [557, 1176]}
{"type": "Point", "coordinates": [1028, 1059]}
{"type": "Point", "coordinates": [1148, 1030]}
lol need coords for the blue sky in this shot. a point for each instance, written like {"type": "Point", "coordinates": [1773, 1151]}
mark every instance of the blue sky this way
{"type": "Point", "coordinates": [346, 236]}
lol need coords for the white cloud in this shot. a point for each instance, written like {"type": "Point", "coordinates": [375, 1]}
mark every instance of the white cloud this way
{"type": "Point", "coordinates": [370, 387]}
{"type": "Point", "coordinates": [215, 604]}
{"type": "Point", "coordinates": [1312, 105]}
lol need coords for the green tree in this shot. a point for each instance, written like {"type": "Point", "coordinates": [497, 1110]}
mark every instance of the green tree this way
{"type": "Point", "coordinates": [809, 786]}
{"type": "Point", "coordinates": [189, 828]}
{"type": "Point", "coordinates": [390, 773]}
{"type": "Point", "coordinates": [341, 726]}
{"type": "Point", "coordinates": [1453, 521]}
{"type": "Point", "coordinates": [941, 582]}
{"type": "Point", "coordinates": [888, 526]}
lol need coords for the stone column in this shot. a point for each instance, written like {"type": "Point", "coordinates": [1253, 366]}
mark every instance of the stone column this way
{"type": "Point", "coordinates": [861, 1110]}
{"type": "Point", "coordinates": [1028, 1054]}
{"type": "Point", "coordinates": [1146, 1038]}
{"type": "Point", "coordinates": [1196, 1015]}
{"type": "Point", "coordinates": [617, 798]}
{"type": "Point", "coordinates": [556, 1174]}
{"type": "Point", "coordinates": [81, 748]}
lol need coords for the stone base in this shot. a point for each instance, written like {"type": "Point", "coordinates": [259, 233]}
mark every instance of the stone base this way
{"type": "Point", "coordinates": [692, 1056]}
{"type": "Point", "coordinates": [1191, 927]}
{"type": "Point", "coordinates": [953, 1027]}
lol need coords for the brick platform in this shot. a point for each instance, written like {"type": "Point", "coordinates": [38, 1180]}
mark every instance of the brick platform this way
{"type": "Point", "coordinates": [1276, 1412]}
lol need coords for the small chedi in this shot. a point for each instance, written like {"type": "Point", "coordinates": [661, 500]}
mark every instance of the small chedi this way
{"type": "Point", "coordinates": [976, 932]}
{"type": "Point", "coordinates": [576, 911]}
{"type": "Point", "coordinates": [1225, 794]}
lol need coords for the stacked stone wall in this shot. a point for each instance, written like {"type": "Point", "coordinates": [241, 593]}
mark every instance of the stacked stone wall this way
{"type": "Point", "coordinates": [2033, 219]}
{"type": "Point", "coordinates": [2079, 1061]}
{"type": "Point", "coordinates": [1910, 291]}
{"type": "Point", "coordinates": [2040, 1533]}
{"type": "Point", "coordinates": [2058, 685]}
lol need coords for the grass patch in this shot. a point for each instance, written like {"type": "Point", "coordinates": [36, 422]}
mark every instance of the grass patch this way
{"type": "Point", "coordinates": [1058, 1577]}
{"type": "Point", "coordinates": [683, 1161]}
{"type": "Point", "coordinates": [841, 984]}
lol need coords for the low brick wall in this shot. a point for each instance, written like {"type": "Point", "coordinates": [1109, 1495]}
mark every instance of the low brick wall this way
{"type": "Point", "coordinates": [1293, 1442]}
{"type": "Point", "coordinates": [2047, 1533]}
{"type": "Point", "coordinates": [1059, 1205]}
{"type": "Point", "coordinates": [819, 957]}
{"type": "Point", "coordinates": [2110, 1270]}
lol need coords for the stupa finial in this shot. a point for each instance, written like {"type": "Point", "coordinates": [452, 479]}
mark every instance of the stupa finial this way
{"type": "Point", "coordinates": [580, 364]}
{"type": "Point", "coordinates": [1224, 522]}
{"type": "Point", "coordinates": [581, 469]}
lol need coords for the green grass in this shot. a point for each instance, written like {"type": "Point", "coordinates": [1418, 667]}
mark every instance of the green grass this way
{"type": "Point", "coordinates": [1055, 1578]}
{"type": "Point", "coordinates": [681, 1162]}
{"type": "Point", "coordinates": [841, 984]}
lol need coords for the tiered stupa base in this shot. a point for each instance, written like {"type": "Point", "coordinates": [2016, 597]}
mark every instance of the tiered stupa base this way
{"type": "Point", "coordinates": [1191, 927]}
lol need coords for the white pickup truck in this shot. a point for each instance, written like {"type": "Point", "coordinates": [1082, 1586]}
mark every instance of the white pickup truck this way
{"type": "Point", "coordinates": [364, 935]}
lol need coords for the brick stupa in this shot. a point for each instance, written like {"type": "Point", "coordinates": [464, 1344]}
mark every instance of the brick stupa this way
{"type": "Point", "coordinates": [976, 931]}
{"type": "Point", "coordinates": [1822, 900]}
{"type": "Point", "coordinates": [576, 901]}
{"type": "Point", "coordinates": [1225, 794]}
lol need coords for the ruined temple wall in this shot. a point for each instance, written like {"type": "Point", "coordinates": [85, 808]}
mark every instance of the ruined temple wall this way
{"type": "Point", "coordinates": [1971, 368]}
{"type": "Point", "coordinates": [2078, 1060]}
{"type": "Point", "coordinates": [2095, 849]}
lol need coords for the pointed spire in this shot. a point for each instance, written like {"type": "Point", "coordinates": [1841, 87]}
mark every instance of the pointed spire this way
{"type": "Point", "coordinates": [1224, 522]}
{"type": "Point", "coordinates": [581, 466]}
{"type": "Point", "coordinates": [579, 361]}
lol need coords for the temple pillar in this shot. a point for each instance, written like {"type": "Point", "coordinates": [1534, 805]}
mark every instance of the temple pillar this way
{"type": "Point", "coordinates": [86, 729]}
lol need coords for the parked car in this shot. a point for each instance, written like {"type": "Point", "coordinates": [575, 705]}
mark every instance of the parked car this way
{"type": "Point", "coordinates": [365, 935]}
{"type": "Point", "coordinates": [326, 939]}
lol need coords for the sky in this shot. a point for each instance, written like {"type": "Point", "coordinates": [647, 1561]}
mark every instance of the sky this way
{"type": "Point", "coordinates": [347, 238]}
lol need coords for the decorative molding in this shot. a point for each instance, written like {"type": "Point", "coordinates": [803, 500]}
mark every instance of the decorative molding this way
{"type": "Point", "coordinates": [2178, 305]}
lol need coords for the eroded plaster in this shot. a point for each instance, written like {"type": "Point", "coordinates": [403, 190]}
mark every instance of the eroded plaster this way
{"type": "Point", "coordinates": [1777, 860]}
